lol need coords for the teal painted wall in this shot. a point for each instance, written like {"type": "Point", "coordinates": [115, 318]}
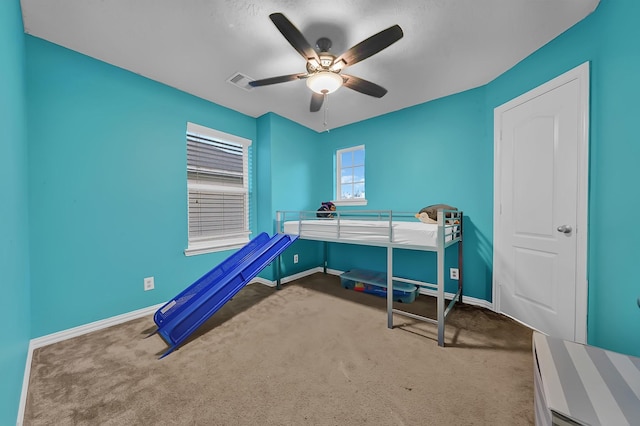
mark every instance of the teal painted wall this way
{"type": "Point", "coordinates": [264, 207]}
{"type": "Point", "coordinates": [296, 176]}
{"type": "Point", "coordinates": [428, 154]}
{"type": "Point", "coordinates": [263, 174]}
{"type": "Point", "coordinates": [290, 177]}
{"type": "Point", "coordinates": [108, 191]}
{"type": "Point", "coordinates": [14, 232]}
{"type": "Point", "coordinates": [609, 40]}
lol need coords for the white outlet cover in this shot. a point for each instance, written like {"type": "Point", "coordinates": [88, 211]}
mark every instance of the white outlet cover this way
{"type": "Point", "coordinates": [148, 283]}
{"type": "Point", "coordinates": [453, 273]}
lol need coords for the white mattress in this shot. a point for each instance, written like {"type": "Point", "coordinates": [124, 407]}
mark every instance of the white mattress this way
{"type": "Point", "coordinates": [409, 233]}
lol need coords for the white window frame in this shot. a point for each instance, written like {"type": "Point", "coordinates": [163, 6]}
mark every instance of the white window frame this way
{"type": "Point", "coordinates": [219, 243]}
{"type": "Point", "coordinates": [339, 201]}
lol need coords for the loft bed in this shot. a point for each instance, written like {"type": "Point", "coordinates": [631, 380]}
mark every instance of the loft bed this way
{"type": "Point", "coordinates": [385, 228]}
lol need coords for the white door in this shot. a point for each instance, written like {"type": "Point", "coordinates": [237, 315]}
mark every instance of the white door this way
{"type": "Point", "coordinates": [540, 206]}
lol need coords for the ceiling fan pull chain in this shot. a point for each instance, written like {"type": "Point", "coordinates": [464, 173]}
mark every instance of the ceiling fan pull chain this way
{"type": "Point", "coordinates": [326, 106]}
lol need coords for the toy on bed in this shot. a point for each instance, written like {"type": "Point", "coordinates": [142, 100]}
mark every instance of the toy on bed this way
{"type": "Point", "coordinates": [325, 209]}
{"type": "Point", "coordinates": [429, 214]}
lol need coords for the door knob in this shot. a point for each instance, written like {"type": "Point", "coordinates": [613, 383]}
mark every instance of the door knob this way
{"type": "Point", "coordinates": [565, 229]}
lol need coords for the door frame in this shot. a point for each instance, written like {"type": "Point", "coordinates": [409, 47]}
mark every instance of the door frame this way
{"type": "Point", "coordinates": [581, 74]}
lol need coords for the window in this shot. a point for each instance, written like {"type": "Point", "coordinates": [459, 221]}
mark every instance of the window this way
{"type": "Point", "coordinates": [218, 190]}
{"type": "Point", "coordinates": [350, 176]}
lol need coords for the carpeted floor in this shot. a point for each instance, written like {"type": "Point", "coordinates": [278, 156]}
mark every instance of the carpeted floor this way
{"type": "Point", "coordinates": [312, 353]}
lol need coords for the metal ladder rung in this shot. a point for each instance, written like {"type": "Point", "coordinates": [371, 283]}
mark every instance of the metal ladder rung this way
{"type": "Point", "coordinates": [414, 316]}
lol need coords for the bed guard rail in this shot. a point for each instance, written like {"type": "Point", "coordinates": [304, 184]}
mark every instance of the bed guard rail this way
{"type": "Point", "coordinates": [450, 220]}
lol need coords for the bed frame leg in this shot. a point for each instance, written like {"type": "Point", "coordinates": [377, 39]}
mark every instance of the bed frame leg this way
{"type": "Point", "coordinates": [278, 273]}
{"type": "Point", "coordinates": [460, 262]}
{"type": "Point", "coordinates": [326, 255]}
{"type": "Point", "coordinates": [440, 291]}
{"type": "Point", "coordinates": [389, 287]}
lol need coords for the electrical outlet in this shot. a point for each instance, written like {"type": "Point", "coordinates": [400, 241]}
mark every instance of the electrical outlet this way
{"type": "Point", "coordinates": [453, 273]}
{"type": "Point", "coordinates": [148, 284]}
{"type": "Point", "coordinates": [295, 258]}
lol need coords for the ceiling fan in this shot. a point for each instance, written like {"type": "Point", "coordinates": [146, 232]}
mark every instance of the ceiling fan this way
{"type": "Point", "coordinates": [324, 70]}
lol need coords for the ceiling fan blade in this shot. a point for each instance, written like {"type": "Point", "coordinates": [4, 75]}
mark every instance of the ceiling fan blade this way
{"type": "Point", "coordinates": [371, 46]}
{"type": "Point", "coordinates": [294, 36]}
{"type": "Point", "coordinates": [363, 86]}
{"type": "Point", "coordinates": [275, 80]}
{"type": "Point", "coordinates": [316, 102]}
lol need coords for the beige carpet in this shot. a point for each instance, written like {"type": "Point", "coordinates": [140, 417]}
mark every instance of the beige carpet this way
{"type": "Point", "coordinates": [312, 353]}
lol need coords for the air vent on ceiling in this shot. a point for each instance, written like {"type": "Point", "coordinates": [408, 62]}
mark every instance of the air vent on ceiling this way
{"type": "Point", "coordinates": [241, 80]}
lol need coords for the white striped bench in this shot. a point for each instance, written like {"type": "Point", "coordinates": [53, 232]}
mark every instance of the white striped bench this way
{"type": "Point", "coordinates": [584, 385]}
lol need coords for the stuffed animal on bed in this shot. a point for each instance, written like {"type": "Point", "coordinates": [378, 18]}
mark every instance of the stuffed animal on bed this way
{"type": "Point", "coordinates": [429, 214]}
{"type": "Point", "coordinates": [325, 209]}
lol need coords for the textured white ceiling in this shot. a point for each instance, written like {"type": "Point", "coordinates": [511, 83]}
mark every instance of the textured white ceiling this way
{"type": "Point", "coordinates": [197, 45]}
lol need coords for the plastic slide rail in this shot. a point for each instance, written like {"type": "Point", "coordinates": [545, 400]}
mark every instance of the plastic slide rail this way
{"type": "Point", "coordinates": [182, 315]}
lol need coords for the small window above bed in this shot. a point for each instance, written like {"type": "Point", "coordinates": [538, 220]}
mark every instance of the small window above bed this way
{"type": "Point", "coordinates": [350, 184]}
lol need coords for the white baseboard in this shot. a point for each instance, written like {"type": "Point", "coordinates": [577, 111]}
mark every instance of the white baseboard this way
{"type": "Point", "coordinates": [49, 339]}
{"type": "Point", "coordinates": [465, 299]}
{"type": "Point", "coordinates": [429, 292]}
{"type": "Point", "coordinates": [39, 342]}
{"type": "Point", "coordinates": [287, 279]}
{"type": "Point", "coordinates": [25, 387]}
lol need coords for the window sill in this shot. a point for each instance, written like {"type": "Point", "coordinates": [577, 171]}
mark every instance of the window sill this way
{"type": "Point", "coordinates": [348, 203]}
{"type": "Point", "coordinates": [210, 247]}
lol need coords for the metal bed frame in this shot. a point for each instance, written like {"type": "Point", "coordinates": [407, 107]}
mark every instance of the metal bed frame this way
{"type": "Point", "coordinates": [450, 231]}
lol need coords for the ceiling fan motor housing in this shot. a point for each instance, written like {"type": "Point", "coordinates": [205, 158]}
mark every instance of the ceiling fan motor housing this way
{"type": "Point", "coordinates": [323, 44]}
{"type": "Point", "coordinates": [323, 63]}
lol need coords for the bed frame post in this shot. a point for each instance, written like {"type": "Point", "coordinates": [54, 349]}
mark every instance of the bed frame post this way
{"type": "Point", "coordinates": [279, 259]}
{"type": "Point", "coordinates": [440, 301]}
{"type": "Point", "coordinates": [326, 252]}
{"type": "Point", "coordinates": [390, 287]}
{"type": "Point", "coordinates": [278, 273]}
{"type": "Point", "coordinates": [460, 262]}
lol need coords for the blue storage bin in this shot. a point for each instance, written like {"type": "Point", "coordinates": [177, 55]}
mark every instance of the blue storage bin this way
{"type": "Point", "coordinates": [372, 282]}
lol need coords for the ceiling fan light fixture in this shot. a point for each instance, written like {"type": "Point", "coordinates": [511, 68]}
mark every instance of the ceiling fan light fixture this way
{"type": "Point", "coordinates": [313, 63]}
{"type": "Point", "coordinates": [324, 82]}
{"type": "Point", "coordinates": [338, 65]}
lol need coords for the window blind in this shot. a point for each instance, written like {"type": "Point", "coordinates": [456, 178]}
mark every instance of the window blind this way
{"type": "Point", "coordinates": [218, 189]}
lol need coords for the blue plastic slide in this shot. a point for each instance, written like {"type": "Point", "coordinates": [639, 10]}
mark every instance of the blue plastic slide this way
{"type": "Point", "coordinates": [181, 316]}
